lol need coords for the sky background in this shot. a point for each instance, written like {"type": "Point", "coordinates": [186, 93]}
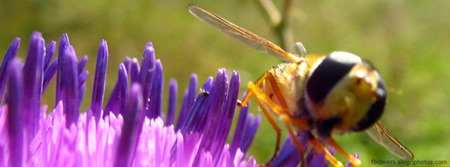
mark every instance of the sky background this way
{"type": "Point", "coordinates": [407, 41]}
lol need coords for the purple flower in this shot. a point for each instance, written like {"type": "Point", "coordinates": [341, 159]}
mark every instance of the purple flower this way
{"type": "Point", "coordinates": [131, 130]}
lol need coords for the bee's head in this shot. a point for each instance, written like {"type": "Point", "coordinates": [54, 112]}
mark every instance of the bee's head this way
{"type": "Point", "coordinates": [344, 93]}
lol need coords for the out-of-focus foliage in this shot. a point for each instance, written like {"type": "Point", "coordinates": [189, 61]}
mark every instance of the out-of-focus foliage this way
{"type": "Point", "coordinates": [408, 41]}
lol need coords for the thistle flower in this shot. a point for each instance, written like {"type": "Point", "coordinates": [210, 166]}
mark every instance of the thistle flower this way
{"type": "Point", "coordinates": [131, 130]}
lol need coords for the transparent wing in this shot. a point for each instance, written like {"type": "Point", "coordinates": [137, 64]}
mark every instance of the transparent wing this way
{"type": "Point", "coordinates": [241, 34]}
{"type": "Point", "coordinates": [385, 138]}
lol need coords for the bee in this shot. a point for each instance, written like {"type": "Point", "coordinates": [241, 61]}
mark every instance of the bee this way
{"type": "Point", "coordinates": [319, 95]}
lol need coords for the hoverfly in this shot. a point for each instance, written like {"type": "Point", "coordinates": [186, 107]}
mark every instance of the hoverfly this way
{"type": "Point", "coordinates": [317, 94]}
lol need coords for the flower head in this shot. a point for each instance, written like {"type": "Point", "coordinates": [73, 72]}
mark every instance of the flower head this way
{"type": "Point", "coordinates": [131, 130]}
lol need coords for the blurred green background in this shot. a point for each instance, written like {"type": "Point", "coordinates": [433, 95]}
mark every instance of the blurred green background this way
{"type": "Point", "coordinates": [408, 41]}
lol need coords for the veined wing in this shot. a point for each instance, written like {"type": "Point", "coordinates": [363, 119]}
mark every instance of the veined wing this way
{"type": "Point", "coordinates": [385, 138]}
{"type": "Point", "coordinates": [241, 34]}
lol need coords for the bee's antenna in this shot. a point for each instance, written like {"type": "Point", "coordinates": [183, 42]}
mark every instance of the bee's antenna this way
{"type": "Point", "coordinates": [299, 49]}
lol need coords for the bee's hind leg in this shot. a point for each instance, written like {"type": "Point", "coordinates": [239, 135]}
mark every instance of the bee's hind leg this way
{"type": "Point", "coordinates": [339, 149]}
{"type": "Point", "coordinates": [321, 149]}
{"type": "Point", "coordinates": [265, 101]}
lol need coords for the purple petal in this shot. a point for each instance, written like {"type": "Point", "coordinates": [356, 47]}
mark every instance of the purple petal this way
{"type": "Point", "coordinates": [146, 76]}
{"type": "Point", "coordinates": [172, 102]}
{"type": "Point", "coordinates": [14, 100]}
{"type": "Point", "coordinates": [179, 152]}
{"type": "Point", "coordinates": [155, 104]}
{"type": "Point", "coordinates": [82, 63]}
{"type": "Point", "coordinates": [239, 131]}
{"type": "Point", "coordinates": [127, 63]}
{"type": "Point", "coordinates": [251, 162]}
{"type": "Point", "coordinates": [188, 101]}
{"type": "Point", "coordinates": [10, 54]}
{"type": "Point", "coordinates": [209, 121]}
{"type": "Point", "coordinates": [98, 92]}
{"type": "Point", "coordinates": [129, 136]}
{"type": "Point", "coordinates": [315, 158]}
{"type": "Point", "coordinates": [225, 158]}
{"type": "Point", "coordinates": [117, 98]}
{"type": "Point", "coordinates": [196, 111]}
{"type": "Point", "coordinates": [33, 80]}
{"type": "Point", "coordinates": [288, 154]}
{"type": "Point", "coordinates": [146, 72]}
{"type": "Point", "coordinates": [226, 117]}
{"type": "Point", "coordinates": [251, 126]}
{"type": "Point", "coordinates": [50, 50]}
{"type": "Point", "coordinates": [49, 73]}
{"type": "Point", "coordinates": [70, 87]}
{"type": "Point", "coordinates": [82, 77]}
{"type": "Point", "coordinates": [201, 112]}
{"type": "Point", "coordinates": [134, 70]}
{"type": "Point", "coordinates": [148, 63]}
{"type": "Point", "coordinates": [63, 44]}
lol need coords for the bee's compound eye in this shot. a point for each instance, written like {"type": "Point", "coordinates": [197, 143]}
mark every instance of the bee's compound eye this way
{"type": "Point", "coordinates": [375, 111]}
{"type": "Point", "coordinates": [328, 73]}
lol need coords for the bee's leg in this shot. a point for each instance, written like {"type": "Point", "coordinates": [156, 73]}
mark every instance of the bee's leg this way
{"type": "Point", "coordinates": [245, 100]}
{"type": "Point", "coordinates": [301, 150]}
{"type": "Point", "coordinates": [300, 123]}
{"type": "Point", "coordinates": [339, 149]}
{"type": "Point", "coordinates": [281, 113]}
{"type": "Point", "coordinates": [274, 125]}
{"type": "Point", "coordinates": [321, 149]}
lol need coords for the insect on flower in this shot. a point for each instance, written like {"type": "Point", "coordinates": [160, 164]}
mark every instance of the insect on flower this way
{"type": "Point", "coordinates": [317, 94]}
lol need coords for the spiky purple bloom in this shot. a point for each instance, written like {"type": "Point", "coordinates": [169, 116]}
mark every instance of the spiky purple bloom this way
{"type": "Point", "coordinates": [290, 157]}
{"type": "Point", "coordinates": [131, 130]}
